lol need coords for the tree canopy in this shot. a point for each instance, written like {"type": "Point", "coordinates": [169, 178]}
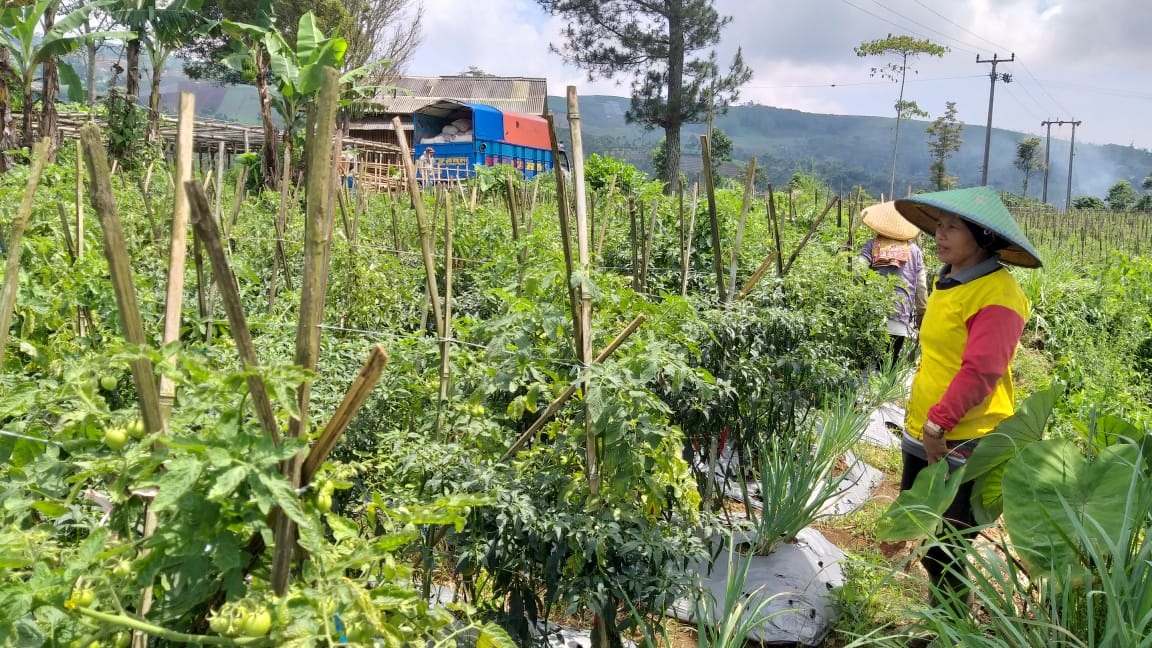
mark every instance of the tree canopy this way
{"type": "Point", "coordinates": [672, 41]}
{"type": "Point", "coordinates": [899, 49]}
{"type": "Point", "coordinates": [944, 140]}
{"type": "Point", "coordinates": [1028, 159]}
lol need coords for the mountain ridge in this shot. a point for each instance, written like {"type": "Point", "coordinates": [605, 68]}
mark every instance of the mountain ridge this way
{"type": "Point", "coordinates": [849, 150]}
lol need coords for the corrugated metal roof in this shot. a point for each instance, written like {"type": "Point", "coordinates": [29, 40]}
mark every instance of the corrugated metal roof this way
{"type": "Point", "coordinates": [513, 94]}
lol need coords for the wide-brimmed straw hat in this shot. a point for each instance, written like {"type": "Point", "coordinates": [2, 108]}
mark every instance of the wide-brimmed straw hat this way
{"type": "Point", "coordinates": [883, 219]}
{"type": "Point", "coordinates": [978, 205]}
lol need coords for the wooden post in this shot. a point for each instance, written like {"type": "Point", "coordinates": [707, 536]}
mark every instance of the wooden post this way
{"type": "Point", "coordinates": [422, 223]}
{"type": "Point", "coordinates": [66, 232]}
{"type": "Point", "coordinates": [749, 191]}
{"type": "Point", "coordinates": [19, 224]}
{"type": "Point", "coordinates": [555, 405]}
{"type": "Point", "coordinates": [775, 231]}
{"type": "Point", "coordinates": [177, 252]}
{"type": "Point", "coordinates": [811, 230]}
{"type": "Point", "coordinates": [713, 218]}
{"type": "Point", "coordinates": [445, 341]}
{"type": "Point", "coordinates": [633, 236]}
{"type": "Point", "coordinates": [755, 278]}
{"type": "Point", "coordinates": [585, 348]}
{"type": "Point", "coordinates": [649, 235]}
{"type": "Point", "coordinates": [687, 261]}
{"type": "Point", "coordinates": [219, 183]}
{"type": "Point", "coordinates": [116, 252]}
{"type": "Point", "coordinates": [280, 260]}
{"type": "Point", "coordinates": [565, 232]}
{"type": "Point", "coordinates": [209, 235]}
{"type": "Point", "coordinates": [354, 398]}
{"type": "Point", "coordinates": [319, 152]}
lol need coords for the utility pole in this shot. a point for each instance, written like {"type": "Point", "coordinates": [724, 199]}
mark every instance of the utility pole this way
{"type": "Point", "coordinates": [1071, 154]}
{"type": "Point", "coordinates": [1006, 78]}
{"type": "Point", "coordinates": [1047, 152]}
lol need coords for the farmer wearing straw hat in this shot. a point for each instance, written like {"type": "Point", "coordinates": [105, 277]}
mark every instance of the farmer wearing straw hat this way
{"type": "Point", "coordinates": [893, 252]}
{"type": "Point", "coordinates": [973, 323]}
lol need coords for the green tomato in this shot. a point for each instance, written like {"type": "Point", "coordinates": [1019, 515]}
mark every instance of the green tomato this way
{"type": "Point", "coordinates": [108, 382]}
{"type": "Point", "coordinates": [83, 597]}
{"type": "Point", "coordinates": [256, 623]}
{"type": "Point", "coordinates": [121, 639]}
{"type": "Point", "coordinates": [324, 502]}
{"type": "Point", "coordinates": [115, 437]}
{"type": "Point", "coordinates": [220, 625]}
{"type": "Point", "coordinates": [136, 429]}
{"type": "Point", "coordinates": [122, 568]}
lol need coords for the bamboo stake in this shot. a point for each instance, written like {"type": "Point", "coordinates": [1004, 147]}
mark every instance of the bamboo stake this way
{"type": "Point", "coordinates": [354, 399]}
{"type": "Point", "coordinates": [422, 223]}
{"type": "Point", "coordinates": [174, 296]}
{"type": "Point", "coordinates": [116, 252]}
{"type": "Point", "coordinates": [219, 211]}
{"type": "Point", "coordinates": [237, 198]}
{"type": "Point", "coordinates": [570, 391]}
{"type": "Point", "coordinates": [755, 278]}
{"type": "Point", "coordinates": [649, 235]}
{"type": "Point", "coordinates": [445, 342]}
{"type": "Point", "coordinates": [565, 233]}
{"type": "Point", "coordinates": [713, 217]}
{"type": "Point", "coordinates": [19, 224]}
{"type": "Point", "coordinates": [680, 213]}
{"type": "Point", "coordinates": [79, 202]}
{"type": "Point", "coordinates": [688, 244]}
{"type": "Point", "coordinates": [209, 234]}
{"type": "Point", "coordinates": [585, 348]}
{"type": "Point", "coordinates": [608, 203]}
{"type": "Point", "coordinates": [811, 230]}
{"type": "Point", "coordinates": [632, 235]}
{"type": "Point", "coordinates": [319, 153]}
{"type": "Point", "coordinates": [279, 259]}
{"type": "Point", "coordinates": [746, 204]}
{"type": "Point", "coordinates": [66, 231]}
{"type": "Point", "coordinates": [146, 195]}
{"type": "Point", "coordinates": [776, 231]}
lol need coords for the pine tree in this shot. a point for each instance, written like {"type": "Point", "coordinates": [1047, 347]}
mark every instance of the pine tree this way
{"type": "Point", "coordinates": [944, 140]}
{"type": "Point", "coordinates": [901, 48]}
{"type": "Point", "coordinates": [608, 38]}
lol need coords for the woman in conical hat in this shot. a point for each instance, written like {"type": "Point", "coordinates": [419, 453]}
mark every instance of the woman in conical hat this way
{"type": "Point", "coordinates": [894, 252]}
{"type": "Point", "coordinates": [972, 325]}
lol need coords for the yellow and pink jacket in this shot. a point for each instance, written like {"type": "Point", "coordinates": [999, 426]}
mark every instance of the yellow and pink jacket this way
{"type": "Point", "coordinates": [968, 339]}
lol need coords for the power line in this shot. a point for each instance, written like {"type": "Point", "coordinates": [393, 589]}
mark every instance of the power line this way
{"type": "Point", "coordinates": [1042, 88]}
{"type": "Point", "coordinates": [1020, 103]}
{"type": "Point", "coordinates": [883, 19]}
{"type": "Point", "coordinates": [860, 83]}
{"type": "Point", "coordinates": [961, 27]}
{"type": "Point", "coordinates": [1100, 90]}
{"type": "Point", "coordinates": [923, 26]}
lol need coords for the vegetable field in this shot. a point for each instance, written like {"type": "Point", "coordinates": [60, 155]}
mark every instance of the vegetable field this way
{"type": "Point", "coordinates": [320, 416]}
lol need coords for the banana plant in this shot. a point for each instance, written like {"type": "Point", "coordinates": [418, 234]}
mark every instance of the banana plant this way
{"type": "Point", "coordinates": [299, 71]}
{"type": "Point", "coordinates": [160, 28]}
{"type": "Point", "coordinates": [296, 71]}
{"type": "Point", "coordinates": [28, 50]}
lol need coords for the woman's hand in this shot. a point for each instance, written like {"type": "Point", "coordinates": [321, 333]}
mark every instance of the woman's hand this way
{"type": "Point", "coordinates": [934, 444]}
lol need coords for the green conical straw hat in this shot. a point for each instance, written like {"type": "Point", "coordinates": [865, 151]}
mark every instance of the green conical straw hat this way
{"type": "Point", "coordinates": [978, 205]}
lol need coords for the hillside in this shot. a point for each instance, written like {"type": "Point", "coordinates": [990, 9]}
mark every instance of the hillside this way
{"type": "Point", "coordinates": [848, 150]}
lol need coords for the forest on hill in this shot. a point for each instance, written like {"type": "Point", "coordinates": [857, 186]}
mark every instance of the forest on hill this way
{"type": "Point", "coordinates": [850, 150]}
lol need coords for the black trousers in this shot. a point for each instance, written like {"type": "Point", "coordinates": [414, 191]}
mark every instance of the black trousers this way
{"type": "Point", "coordinates": [944, 561]}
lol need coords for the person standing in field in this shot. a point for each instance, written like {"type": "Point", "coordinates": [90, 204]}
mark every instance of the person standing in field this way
{"type": "Point", "coordinates": [963, 386]}
{"type": "Point", "coordinates": [893, 251]}
{"type": "Point", "coordinates": [426, 167]}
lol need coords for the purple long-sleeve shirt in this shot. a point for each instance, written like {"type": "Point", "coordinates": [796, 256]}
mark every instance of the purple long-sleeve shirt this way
{"type": "Point", "coordinates": [911, 292]}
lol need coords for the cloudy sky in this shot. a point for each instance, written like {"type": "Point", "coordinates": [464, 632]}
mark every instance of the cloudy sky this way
{"type": "Point", "coordinates": [1089, 60]}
